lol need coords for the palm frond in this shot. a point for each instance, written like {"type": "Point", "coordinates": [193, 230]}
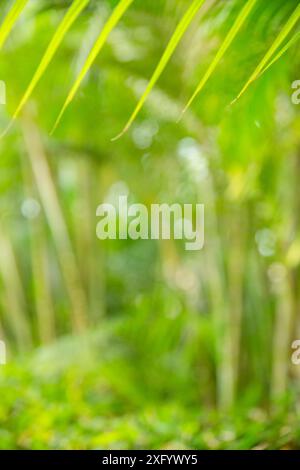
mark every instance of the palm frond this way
{"type": "Point", "coordinates": [174, 41]}
{"type": "Point", "coordinates": [113, 20]}
{"type": "Point", "coordinates": [274, 47]}
{"type": "Point", "coordinates": [246, 10]}
{"type": "Point", "coordinates": [282, 51]}
{"type": "Point", "coordinates": [11, 19]}
{"type": "Point", "coordinates": [66, 23]}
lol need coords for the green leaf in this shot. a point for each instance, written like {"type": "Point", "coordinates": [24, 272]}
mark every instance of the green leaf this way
{"type": "Point", "coordinates": [66, 23]}
{"type": "Point", "coordinates": [175, 39]}
{"type": "Point", "coordinates": [113, 20]}
{"type": "Point", "coordinates": [246, 10]}
{"type": "Point", "coordinates": [276, 44]}
{"type": "Point", "coordinates": [282, 51]}
{"type": "Point", "coordinates": [11, 19]}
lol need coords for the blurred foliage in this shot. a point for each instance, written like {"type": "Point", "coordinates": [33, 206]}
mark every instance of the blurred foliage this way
{"type": "Point", "coordinates": [126, 344]}
{"type": "Point", "coordinates": [82, 394]}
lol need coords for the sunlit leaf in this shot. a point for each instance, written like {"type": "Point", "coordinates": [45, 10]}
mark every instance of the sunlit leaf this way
{"type": "Point", "coordinates": [66, 23]}
{"type": "Point", "coordinates": [224, 46]}
{"type": "Point", "coordinates": [175, 39]}
{"type": "Point", "coordinates": [113, 20]}
{"type": "Point", "coordinates": [282, 51]}
{"type": "Point", "coordinates": [11, 19]}
{"type": "Point", "coordinates": [276, 44]}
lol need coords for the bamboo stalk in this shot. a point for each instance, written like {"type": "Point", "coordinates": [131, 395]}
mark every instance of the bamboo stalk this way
{"type": "Point", "coordinates": [220, 305]}
{"type": "Point", "coordinates": [14, 297]}
{"type": "Point", "coordinates": [92, 179]}
{"type": "Point", "coordinates": [236, 268]}
{"type": "Point", "coordinates": [282, 341]}
{"type": "Point", "coordinates": [40, 267]}
{"type": "Point", "coordinates": [54, 214]}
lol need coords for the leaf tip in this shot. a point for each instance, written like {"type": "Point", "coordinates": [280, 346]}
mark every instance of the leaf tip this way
{"type": "Point", "coordinates": [117, 137]}
{"type": "Point", "coordinates": [6, 130]}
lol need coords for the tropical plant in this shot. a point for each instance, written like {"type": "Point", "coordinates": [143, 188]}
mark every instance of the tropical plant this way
{"type": "Point", "coordinates": [204, 89]}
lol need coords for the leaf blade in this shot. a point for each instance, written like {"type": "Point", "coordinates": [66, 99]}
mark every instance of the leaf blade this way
{"type": "Point", "coordinates": [11, 19]}
{"type": "Point", "coordinates": [116, 15]}
{"type": "Point", "coordinates": [282, 51]}
{"type": "Point", "coordinates": [171, 46]}
{"type": "Point", "coordinates": [240, 20]}
{"type": "Point", "coordinates": [73, 12]}
{"type": "Point", "coordinates": [274, 47]}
